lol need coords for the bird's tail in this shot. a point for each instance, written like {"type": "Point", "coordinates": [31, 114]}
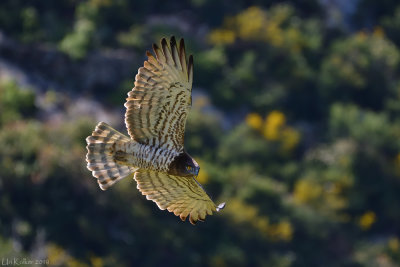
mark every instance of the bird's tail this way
{"type": "Point", "coordinates": [101, 155]}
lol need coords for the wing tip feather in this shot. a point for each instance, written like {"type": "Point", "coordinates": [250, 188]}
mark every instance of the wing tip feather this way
{"type": "Point", "coordinates": [221, 206]}
{"type": "Point", "coordinates": [172, 40]}
{"type": "Point", "coordinates": [164, 45]}
{"type": "Point", "coordinates": [155, 46]}
{"type": "Point", "coordinates": [149, 54]}
{"type": "Point", "coordinates": [156, 50]}
{"type": "Point", "coordinates": [190, 65]}
{"type": "Point", "coordinates": [192, 221]}
{"type": "Point", "coordinates": [190, 69]}
{"type": "Point", "coordinates": [163, 41]}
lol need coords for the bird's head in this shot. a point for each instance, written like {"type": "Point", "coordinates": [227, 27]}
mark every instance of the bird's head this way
{"type": "Point", "coordinates": [192, 167]}
{"type": "Point", "coordinates": [184, 165]}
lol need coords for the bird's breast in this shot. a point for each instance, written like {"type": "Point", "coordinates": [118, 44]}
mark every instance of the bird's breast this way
{"type": "Point", "coordinates": [154, 158]}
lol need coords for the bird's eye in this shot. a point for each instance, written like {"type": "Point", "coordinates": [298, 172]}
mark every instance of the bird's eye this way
{"type": "Point", "coordinates": [188, 168]}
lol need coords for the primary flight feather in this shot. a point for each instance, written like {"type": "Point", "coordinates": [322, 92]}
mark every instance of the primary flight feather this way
{"type": "Point", "coordinates": [156, 112]}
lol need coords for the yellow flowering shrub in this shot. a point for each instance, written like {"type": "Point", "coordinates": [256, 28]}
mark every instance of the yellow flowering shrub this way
{"type": "Point", "coordinates": [361, 36]}
{"type": "Point", "coordinates": [274, 34]}
{"type": "Point", "coordinates": [394, 244]}
{"type": "Point", "coordinates": [290, 138]}
{"type": "Point", "coordinates": [57, 256]}
{"type": "Point", "coordinates": [243, 213]}
{"type": "Point", "coordinates": [272, 26]}
{"type": "Point", "coordinates": [397, 164]}
{"type": "Point", "coordinates": [96, 261]}
{"type": "Point", "coordinates": [326, 198]}
{"type": "Point", "coordinates": [306, 191]}
{"type": "Point", "coordinates": [251, 22]}
{"type": "Point", "coordinates": [203, 176]}
{"type": "Point", "coordinates": [273, 125]}
{"type": "Point", "coordinates": [254, 120]}
{"type": "Point", "coordinates": [378, 32]}
{"type": "Point", "coordinates": [353, 57]}
{"type": "Point", "coordinates": [398, 159]}
{"type": "Point", "coordinates": [274, 129]}
{"type": "Point", "coordinates": [281, 231]}
{"type": "Point", "coordinates": [367, 220]}
{"type": "Point", "coordinates": [334, 199]}
{"type": "Point", "coordinates": [221, 37]}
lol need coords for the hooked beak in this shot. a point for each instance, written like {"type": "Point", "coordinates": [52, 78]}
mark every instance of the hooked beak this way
{"type": "Point", "coordinates": [195, 171]}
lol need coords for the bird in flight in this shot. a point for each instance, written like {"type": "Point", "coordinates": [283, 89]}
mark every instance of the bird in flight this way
{"type": "Point", "coordinates": [156, 112]}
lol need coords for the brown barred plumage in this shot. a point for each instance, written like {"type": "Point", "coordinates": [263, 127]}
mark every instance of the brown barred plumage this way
{"type": "Point", "coordinates": [158, 105]}
{"type": "Point", "coordinates": [156, 112]}
{"type": "Point", "coordinates": [100, 157]}
{"type": "Point", "coordinates": [177, 194]}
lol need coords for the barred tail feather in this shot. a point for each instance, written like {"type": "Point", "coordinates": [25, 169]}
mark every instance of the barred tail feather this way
{"type": "Point", "coordinates": [100, 156]}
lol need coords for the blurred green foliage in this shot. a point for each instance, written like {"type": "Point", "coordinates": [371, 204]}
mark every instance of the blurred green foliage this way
{"type": "Point", "coordinates": [296, 127]}
{"type": "Point", "coordinates": [15, 103]}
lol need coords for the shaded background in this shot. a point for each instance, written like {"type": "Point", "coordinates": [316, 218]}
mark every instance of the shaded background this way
{"type": "Point", "coordinates": [295, 123]}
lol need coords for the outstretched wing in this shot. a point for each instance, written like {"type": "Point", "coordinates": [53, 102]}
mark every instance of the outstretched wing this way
{"type": "Point", "coordinates": [180, 195]}
{"type": "Point", "coordinates": [158, 105]}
